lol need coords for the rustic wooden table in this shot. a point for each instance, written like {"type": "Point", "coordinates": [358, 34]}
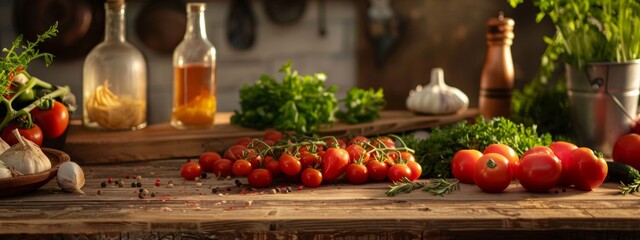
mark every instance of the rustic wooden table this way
{"type": "Point", "coordinates": [332, 211]}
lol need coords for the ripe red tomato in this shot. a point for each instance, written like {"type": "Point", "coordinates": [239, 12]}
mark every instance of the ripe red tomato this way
{"type": "Point", "coordinates": [359, 140]}
{"type": "Point", "coordinates": [311, 177]}
{"type": "Point", "coordinates": [508, 153]}
{"type": "Point", "coordinates": [539, 172]}
{"type": "Point", "coordinates": [260, 178]}
{"type": "Point", "coordinates": [241, 168]}
{"type": "Point", "coordinates": [357, 173]}
{"type": "Point", "coordinates": [222, 167]}
{"type": "Point", "coordinates": [53, 122]}
{"type": "Point", "coordinates": [384, 142]}
{"type": "Point", "coordinates": [33, 134]}
{"type": "Point", "coordinates": [273, 135]}
{"type": "Point", "coordinates": [492, 173]}
{"type": "Point", "coordinates": [627, 150]}
{"type": "Point", "coordinates": [407, 157]}
{"type": "Point", "coordinates": [537, 149]}
{"type": "Point", "coordinates": [334, 163]}
{"type": "Point", "coordinates": [463, 164]}
{"type": "Point", "coordinates": [245, 141]}
{"type": "Point", "coordinates": [357, 153]}
{"type": "Point", "coordinates": [562, 150]}
{"type": "Point", "coordinates": [378, 170]}
{"type": "Point", "coordinates": [190, 170]}
{"type": "Point", "coordinates": [331, 143]}
{"type": "Point", "coordinates": [235, 152]}
{"type": "Point", "coordinates": [273, 167]}
{"type": "Point", "coordinates": [309, 160]}
{"type": "Point", "coordinates": [416, 170]}
{"type": "Point", "coordinates": [399, 171]}
{"type": "Point", "coordinates": [289, 164]}
{"type": "Point", "coordinates": [207, 159]}
{"type": "Point", "coordinates": [589, 171]}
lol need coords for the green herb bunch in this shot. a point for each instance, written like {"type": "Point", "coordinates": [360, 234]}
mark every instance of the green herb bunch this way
{"type": "Point", "coordinates": [435, 153]}
{"type": "Point", "coordinates": [362, 105]}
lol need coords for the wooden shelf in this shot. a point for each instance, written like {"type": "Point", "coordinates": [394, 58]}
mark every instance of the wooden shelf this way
{"type": "Point", "coordinates": [165, 142]}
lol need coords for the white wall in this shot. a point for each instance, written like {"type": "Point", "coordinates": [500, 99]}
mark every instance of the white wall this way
{"type": "Point", "coordinates": [333, 54]}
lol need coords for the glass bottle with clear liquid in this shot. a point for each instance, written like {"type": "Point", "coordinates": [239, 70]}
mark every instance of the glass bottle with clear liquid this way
{"type": "Point", "coordinates": [114, 78]}
{"type": "Point", "coordinates": [194, 68]}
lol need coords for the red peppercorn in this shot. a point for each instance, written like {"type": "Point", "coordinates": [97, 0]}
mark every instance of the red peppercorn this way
{"type": "Point", "coordinates": [109, 180]}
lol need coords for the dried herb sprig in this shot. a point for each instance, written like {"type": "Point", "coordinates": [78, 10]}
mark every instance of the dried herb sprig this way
{"type": "Point", "coordinates": [436, 186]}
{"type": "Point", "coordinates": [630, 188]}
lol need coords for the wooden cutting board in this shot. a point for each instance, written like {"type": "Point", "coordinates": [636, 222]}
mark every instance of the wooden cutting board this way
{"type": "Point", "coordinates": [162, 141]}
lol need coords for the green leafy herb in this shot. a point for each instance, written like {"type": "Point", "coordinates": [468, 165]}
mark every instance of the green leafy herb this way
{"type": "Point", "coordinates": [362, 105]}
{"type": "Point", "coordinates": [630, 188]}
{"type": "Point", "coordinates": [301, 103]}
{"type": "Point", "coordinates": [19, 56]}
{"type": "Point", "coordinates": [435, 153]}
{"type": "Point", "coordinates": [438, 187]}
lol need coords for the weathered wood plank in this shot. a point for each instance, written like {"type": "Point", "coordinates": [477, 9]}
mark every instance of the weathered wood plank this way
{"type": "Point", "coordinates": [164, 142]}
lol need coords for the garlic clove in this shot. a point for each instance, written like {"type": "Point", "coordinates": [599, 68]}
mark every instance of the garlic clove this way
{"type": "Point", "coordinates": [70, 177]}
{"type": "Point", "coordinates": [3, 145]}
{"type": "Point", "coordinates": [25, 157]}
{"type": "Point", "coordinates": [437, 97]}
{"type": "Point", "coordinates": [4, 171]}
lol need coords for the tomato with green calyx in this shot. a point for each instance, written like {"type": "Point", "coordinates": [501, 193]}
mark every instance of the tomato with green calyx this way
{"type": "Point", "coordinates": [289, 164]}
{"type": "Point", "coordinates": [562, 150]}
{"type": "Point", "coordinates": [241, 168]}
{"type": "Point", "coordinates": [398, 171]}
{"type": "Point", "coordinates": [260, 178]}
{"type": "Point", "coordinates": [357, 173]}
{"type": "Point", "coordinates": [311, 177]}
{"type": "Point", "coordinates": [53, 121]}
{"type": "Point", "coordinates": [334, 163]}
{"type": "Point", "coordinates": [589, 171]}
{"type": "Point", "coordinates": [235, 152]}
{"type": "Point", "coordinates": [508, 153]}
{"type": "Point", "coordinates": [627, 150]}
{"type": "Point", "coordinates": [309, 160]}
{"type": "Point", "coordinates": [33, 134]}
{"type": "Point", "coordinates": [539, 172]}
{"type": "Point", "coordinates": [463, 164]}
{"type": "Point", "coordinates": [190, 170]}
{"type": "Point", "coordinates": [206, 160]}
{"type": "Point", "coordinates": [357, 153]}
{"type": "Point", "coordinates": [377, 170]}
{"type": "Point", "coordinates": [492, 173]}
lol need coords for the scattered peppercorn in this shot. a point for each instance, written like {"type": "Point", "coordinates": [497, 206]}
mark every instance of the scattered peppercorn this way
{"type": "Point", "coordinates": [238, 183]}
{"type": "Point", "coordinates": [170, 185]}
{"type": "Point", "coordinates": [198, 184]}
{"type": "Point", "coordinates": [145, 191]}
{"type": "Point", "coordinates": [109, 180]}
{"type": "Point", "coordinates": [289, 189]}
{"type": "Point", "coordinates": [103, 184]}
{"type": "Point", "coordinates": [228, 177]}
{"type": "Point", "coordinates": [157, 184]}
{"type": "Point", "coordinates": [139, 184]}
{"type": "Point", "coordinates": [203, 175]}
{"type": "Point", "coordinates": [133, 184]}
{"type": "Point", "coordinates": [197, 179]}
{"type": "Point", "coordinates": [116, 182]}
{"type": "Point", "coordinates": [126, 176]}
{"type": "Point", "coordinates": [299, 187]}
{"type": "Point", "coordinates": [273, 191]}
{"type": "Point", "coordinates": [170, 181]}
{"type": "Point", "coordinates": [121, 184]}
{"type": "Point", "coordinates": [99, 192]}
{"type": "Point", "coordinates": [153, 194]}
{"type": "Point", "coordinates": [138, 177]}
{"type": "Point", "coordinates": [141, 195]}
{"type": "Point", "coordinates": [141, 189]}
{"type": "Point", "coordinates": [214, 190]}
{"type": "Point", "coordinates": [228, 189]}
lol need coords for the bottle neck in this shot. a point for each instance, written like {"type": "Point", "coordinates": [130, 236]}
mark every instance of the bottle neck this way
{"type": "Point", "coordinates": [195, 25]}
{"type": "Point", "coordinates": [115, 28]}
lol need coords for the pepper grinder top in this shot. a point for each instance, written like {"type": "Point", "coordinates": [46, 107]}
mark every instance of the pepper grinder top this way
{"type": "Point", "coordinates": [500, 30]}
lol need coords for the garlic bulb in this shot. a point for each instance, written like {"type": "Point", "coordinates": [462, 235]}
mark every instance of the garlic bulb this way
{"type": "Point", "coordinates": [3, 146]}
{"type": "Point", "coordinates": [437, 97]}
{"type": "Point", "coordinates": [25, 157]}
{"type": "Point", "coordinates": [70, 177]}
{"type": "Point", "coordinates": [4, 171]}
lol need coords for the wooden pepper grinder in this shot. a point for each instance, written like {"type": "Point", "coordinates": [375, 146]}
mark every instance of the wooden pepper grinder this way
{"type": "Point", "coordinates": [496, 83]}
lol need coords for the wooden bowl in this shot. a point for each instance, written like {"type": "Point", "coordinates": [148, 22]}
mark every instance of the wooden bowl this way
{"type": "Point", "coordinates": [27, 183]}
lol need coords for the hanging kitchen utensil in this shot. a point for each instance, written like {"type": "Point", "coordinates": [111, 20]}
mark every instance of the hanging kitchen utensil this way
{"type": "Point", "coordinates": [80, 24]}
{"type": "Point", "coordinates": [285, 11]}
{"type": "Point", "coordinates": [160, 25]}
{"type": "Point", "coordinates": [384, 28]}
{"type": "Point", "coordinates": [241, 25]}
{"type": "Point", "coordinates": [322, 18]}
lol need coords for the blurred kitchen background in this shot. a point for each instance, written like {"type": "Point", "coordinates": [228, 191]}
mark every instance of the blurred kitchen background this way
{"type": "Point", "coordinates": [330, 36]}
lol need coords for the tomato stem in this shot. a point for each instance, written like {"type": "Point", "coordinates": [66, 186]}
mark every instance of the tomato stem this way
{"type": "Point", "coordinates": [491, 163]}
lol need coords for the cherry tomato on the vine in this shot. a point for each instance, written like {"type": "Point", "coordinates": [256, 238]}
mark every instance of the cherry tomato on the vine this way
{"type": "Point", "coordinates": [241, 168]}
{"type": "Point", "coordinates": [334, 163]}
{"type": "Point", "coordinates": [332, 143]}
{"type": "Point", "coordinates": [222, 167]}
{"type": "Point", "coordinates": [207, 159]}
{"type": "Point", "coordinates": [377, 170]}
{"type": "Point", "coordinates": [416, 170]}
{"type": "Point", "coordinates": [359, 140]}
{"type": "Point", "coordinates": [399, 171]}
{"type": "Point", "coordinates": [190, 170]}
{"type": "Point", "coordinates": [273, 167]}
{"type": "Point", "coordinates": [308, 160]}
{"type": "Point", "coordinates": [235, 152]}
{"type": "Point", "coordinates": [244, 141]}
{"type": "Point", "coordinates": [357, 173]}
{"type": "Point", "coordinates": [273, 135]}
{"type": "Point", "coordinates": [289, 164]}
{"type": "Point", "coordinates": [260, 178]}
{"type": "Point", "coordinates": [311, 177]}
{"type": "Point", "coordinates": [357, 153]}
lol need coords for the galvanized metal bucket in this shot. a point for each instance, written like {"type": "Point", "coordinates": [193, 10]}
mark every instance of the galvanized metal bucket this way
{"type": "Point", "coordinates": [603, 100]}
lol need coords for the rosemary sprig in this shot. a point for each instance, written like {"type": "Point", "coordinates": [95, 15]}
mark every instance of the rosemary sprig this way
{"type": "Point", "coordinates": [436, 186]}
{"type": "Point", "coordinates": [630, 188]}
